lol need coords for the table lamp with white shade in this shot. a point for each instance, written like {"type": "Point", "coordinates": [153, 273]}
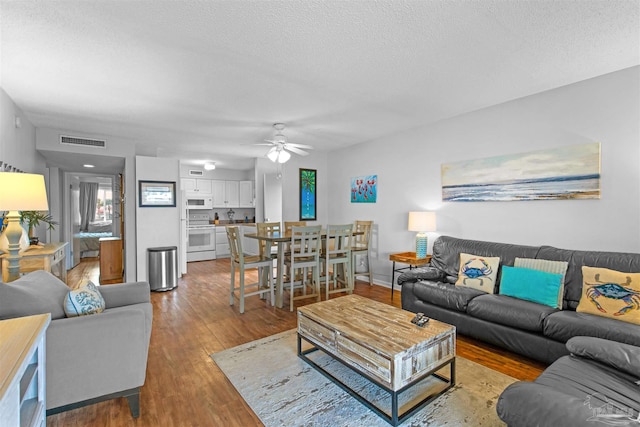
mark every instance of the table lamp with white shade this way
{"type": "Point", "coordinates": [19, 192]}
{"type": "Point", "coordinates": [422, 222]}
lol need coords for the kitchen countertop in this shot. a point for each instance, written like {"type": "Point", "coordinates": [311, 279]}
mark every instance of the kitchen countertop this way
{"type": "Point", "coordinates": [234, 222]}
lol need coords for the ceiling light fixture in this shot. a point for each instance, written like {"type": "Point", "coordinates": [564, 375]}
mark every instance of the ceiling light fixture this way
{"type": "Point", "coordinates": [209, 166]}
{"type": "Point", "coordinates": [88, 166]}
{"type": "Point", "coordinates": [278, 155]}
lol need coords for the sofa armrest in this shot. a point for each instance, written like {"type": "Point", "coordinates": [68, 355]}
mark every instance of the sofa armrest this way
{"type": "Point", "coordinates": [625, 357]}
{"type": "Point", "coordinates": [422, 273]}
{"type": "Point", "coordinates": [527, 404]}
{"type": "Point", "coordinates": [96, 355]}
{"type": "Point", "coordinates": [124, 294]}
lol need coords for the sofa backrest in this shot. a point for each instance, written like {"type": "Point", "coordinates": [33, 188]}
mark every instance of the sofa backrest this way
{"type": "Point", "coordinates": [446, 253]}
{"type": "Point", "coordinates": [619, 261]}
{"type": "Point", "coordinates": [446, 257]}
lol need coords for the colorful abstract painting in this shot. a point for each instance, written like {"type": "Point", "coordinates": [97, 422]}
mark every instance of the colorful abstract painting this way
{"type": "Point", "coordinates": [308, 192]}
{"type": "Point", "coordinates": [364, 189]}
{"type": "Point", "coordinates": [571, 172]}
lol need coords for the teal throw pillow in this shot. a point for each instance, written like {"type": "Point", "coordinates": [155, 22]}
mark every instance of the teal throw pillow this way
{"type": "Point", "coordinates": [531, 285]}
{"type": "Point", "coordinates": [84, 300]}
{"type": "Point", "coordinates": [558, 267]}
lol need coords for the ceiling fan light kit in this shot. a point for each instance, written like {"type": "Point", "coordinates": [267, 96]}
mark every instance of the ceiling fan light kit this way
{"type": "Point", "coordinates": [280, 148]}
{"type": "Point", "coordinates": [278, 155]}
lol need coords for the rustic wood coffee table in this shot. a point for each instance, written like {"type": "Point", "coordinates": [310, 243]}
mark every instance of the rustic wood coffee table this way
{"type": "Point", "coordinates": [379, 342]}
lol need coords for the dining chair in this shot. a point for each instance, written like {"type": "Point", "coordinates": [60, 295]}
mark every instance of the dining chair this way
{"type": "Point", "coordinates": [360, 247]}
{"type": "Point", "coordinates": [303, 259]}
{"type": "Point", "coordinates": [336, 252]}
{"type": "Point", "coordinates": [289, 224]}
{"type": "Point", "coordinates": [268, 250]}
{"type": "Point", "coordinates": [244, 262]}
{"type": "Point", "coordinates": [287, 230]}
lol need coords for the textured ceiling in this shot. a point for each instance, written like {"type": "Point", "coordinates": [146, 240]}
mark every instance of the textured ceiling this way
{"type": "Point", "coordinates": [207, 79]}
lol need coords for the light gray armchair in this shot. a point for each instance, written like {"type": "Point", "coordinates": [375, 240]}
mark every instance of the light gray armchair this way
{"type": "Point", "coordinates": [89, 358]}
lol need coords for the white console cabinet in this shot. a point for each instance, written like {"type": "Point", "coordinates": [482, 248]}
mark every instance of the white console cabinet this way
{"type": "Point", "coordinates": [22, 371]}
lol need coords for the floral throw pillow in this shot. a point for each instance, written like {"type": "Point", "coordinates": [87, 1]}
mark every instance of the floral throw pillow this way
{"type": "Point", "coordinates": [84, 300]}
{"type": "Point", "coordinates": [610, 293]}
{"type": "Point", "coordinates": [478, 272]}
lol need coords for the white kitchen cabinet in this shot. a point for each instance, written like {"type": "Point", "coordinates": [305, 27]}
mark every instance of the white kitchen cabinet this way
{"type": "Point", "coordinates": [232, 193]}
{"type": "Point", "coordinates": [226, 194]}
{"type": "Point", "coordinates": [218, 191]}
{"type": "Point", "coordinates": [198, 186]}
{"type": "Point", "coordinates": [246, 194]}
{"type": "Point", "coordinates": [222, 242]}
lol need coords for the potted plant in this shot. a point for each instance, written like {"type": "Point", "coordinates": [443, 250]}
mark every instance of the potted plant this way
{"type": "Point", "coordinates": [32, 219]}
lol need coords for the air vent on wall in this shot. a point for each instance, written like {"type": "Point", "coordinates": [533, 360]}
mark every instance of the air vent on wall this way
{"type": "Point", "coordinates": [195, 172]}
{"type": "Point", "coordinates": [86, 142]}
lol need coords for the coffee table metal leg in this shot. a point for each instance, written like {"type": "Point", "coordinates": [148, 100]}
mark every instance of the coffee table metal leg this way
{"type": "Point", "coordinates": [393, 277]}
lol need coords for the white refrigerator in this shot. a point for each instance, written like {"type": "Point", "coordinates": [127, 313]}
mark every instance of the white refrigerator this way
{"type": "Point", "coordinates": [184, 233]}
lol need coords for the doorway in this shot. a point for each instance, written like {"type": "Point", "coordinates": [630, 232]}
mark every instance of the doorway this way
{"type": "Point", "coordinates": [94, 222]}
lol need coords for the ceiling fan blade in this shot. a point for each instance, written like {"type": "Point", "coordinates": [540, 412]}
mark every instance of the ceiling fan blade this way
{"type": "Point", "coordinates": [306, 147]}
{"type": "Point", "coordinates": [296, 150]}
{"type": "Point", "coordinates": [262, 143]}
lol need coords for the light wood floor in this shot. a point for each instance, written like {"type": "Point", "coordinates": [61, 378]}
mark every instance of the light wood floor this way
{"type": "Point", "coordinates": [184, 387]}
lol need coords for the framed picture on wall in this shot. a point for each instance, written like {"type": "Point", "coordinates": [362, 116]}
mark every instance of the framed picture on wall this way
{"type": "Point", "coordinates": [157, 194]}
{"type": "Point", "coordinates": [308, 190]}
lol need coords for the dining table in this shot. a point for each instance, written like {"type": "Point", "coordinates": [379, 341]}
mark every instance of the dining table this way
{"type": "Point", "coordinates": [280, 239]}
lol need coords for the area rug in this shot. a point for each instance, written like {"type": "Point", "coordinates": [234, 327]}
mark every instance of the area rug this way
{"type": "Point", "coordinates": [283, 390]}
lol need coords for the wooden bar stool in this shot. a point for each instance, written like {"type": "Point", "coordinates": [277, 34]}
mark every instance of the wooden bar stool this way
{"type": "Point", "coordinates": [336, 251]}
{"type": "Point", "coordinates": [360, 246]}
{"type": "Point", "coordinates": [303, 261]}
{"type": "Point", "coordinates": [245, 262]}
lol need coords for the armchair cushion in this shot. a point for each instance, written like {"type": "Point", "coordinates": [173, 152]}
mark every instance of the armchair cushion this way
{"type": "Point", "coordinates": [620, 356]}
{"type": "Point", "coordinates": [38, 292]}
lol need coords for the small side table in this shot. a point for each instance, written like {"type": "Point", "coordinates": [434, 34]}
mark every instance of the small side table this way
{"type": "Point", "coordinates": [405, 258]}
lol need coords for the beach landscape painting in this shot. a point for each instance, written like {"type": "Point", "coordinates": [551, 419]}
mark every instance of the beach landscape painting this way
{"type": "Point", "coordinates": [571, 172]}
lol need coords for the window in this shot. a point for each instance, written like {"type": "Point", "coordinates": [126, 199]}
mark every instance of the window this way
{"type": "Point", "coordinates": [104, 204]}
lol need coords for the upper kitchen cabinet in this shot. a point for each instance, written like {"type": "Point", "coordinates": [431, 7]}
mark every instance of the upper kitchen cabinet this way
{"type": "Point", "coordinates": [232, 194]}
{"type": "Point", "coordinates": [226, 194]}
{"type": "Point", "coordinates": [197, 186]}
{"type": "Point", "coordinates": [246, 194]}
{"type": "Point", "coordinates": [218, 191]}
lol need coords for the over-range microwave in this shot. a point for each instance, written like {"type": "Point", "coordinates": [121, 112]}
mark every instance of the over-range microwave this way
{"type": "Point", "coordinates": [199, 202]}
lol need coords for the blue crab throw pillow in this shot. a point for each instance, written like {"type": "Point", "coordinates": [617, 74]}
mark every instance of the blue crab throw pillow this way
{"type": "Point", "coordinates": [478, 272]}
{"type": "Point", "coordinates": [610, 293]}
{"type": "Point", "coordinates": [84, 300]}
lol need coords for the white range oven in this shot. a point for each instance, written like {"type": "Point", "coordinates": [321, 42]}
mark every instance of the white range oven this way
{"type": "Point", "coordinates": [201, 240]}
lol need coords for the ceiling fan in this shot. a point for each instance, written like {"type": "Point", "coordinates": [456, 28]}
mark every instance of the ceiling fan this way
{"type": "Point", "coordinates": [280, 148]}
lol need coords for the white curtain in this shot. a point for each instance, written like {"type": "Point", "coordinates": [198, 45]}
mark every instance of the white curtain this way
{"type": "Point", "coordinates": [88, 201]}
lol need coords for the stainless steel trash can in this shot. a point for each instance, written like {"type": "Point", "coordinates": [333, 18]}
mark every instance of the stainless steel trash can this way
{"type": "Point", "coordinates": [163, 268]}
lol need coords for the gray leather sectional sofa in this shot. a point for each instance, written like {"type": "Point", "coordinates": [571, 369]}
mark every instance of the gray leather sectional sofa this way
{"type": "Point", "coordinates": [597, 385]}
{"type": "Point", "coordinates": [533, 330]}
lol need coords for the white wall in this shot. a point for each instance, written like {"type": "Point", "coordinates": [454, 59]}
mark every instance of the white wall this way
{"type": "Point", "coordinates": [291, 187]}
{"type": "Point", "coordinates": [157, 226]}
{"type": "Point", "coordinates": [17, 144]}
{"type": "Point", "coordinates": [17, 149]}
{"type": "Point", "coordinates": [604, 109]}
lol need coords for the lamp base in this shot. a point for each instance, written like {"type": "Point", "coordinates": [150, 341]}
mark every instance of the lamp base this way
{"type": "Point", "coordinates": [421, 245]}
